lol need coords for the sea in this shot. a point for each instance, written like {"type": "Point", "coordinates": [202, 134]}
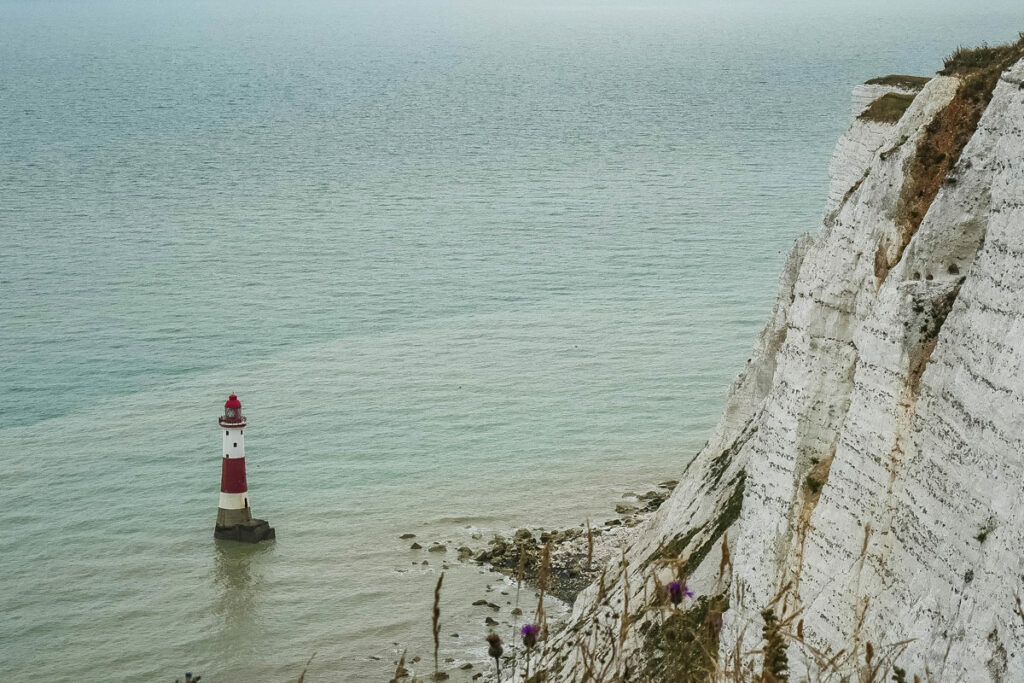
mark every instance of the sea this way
{"type": "Point", "coordinates": [470, 265]}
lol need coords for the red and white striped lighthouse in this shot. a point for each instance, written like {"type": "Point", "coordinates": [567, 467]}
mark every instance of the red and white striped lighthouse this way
{"type": "Point", "coordinates": [234, 514]}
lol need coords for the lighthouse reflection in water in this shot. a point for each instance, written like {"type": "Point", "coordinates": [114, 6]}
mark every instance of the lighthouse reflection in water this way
{"type": "Point", "coordinates": [237, 608]}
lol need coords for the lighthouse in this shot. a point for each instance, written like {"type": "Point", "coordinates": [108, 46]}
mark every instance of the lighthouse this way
{"type": "Point", "coordinates": [234, 514]}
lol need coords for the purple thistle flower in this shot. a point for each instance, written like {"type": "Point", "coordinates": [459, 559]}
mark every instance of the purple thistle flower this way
{"type": "Point", "coordinates": [677, 591]}
{"type": "Point", "coordinates": [529, 633]}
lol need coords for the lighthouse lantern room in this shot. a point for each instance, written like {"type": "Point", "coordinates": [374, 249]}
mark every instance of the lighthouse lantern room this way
{"type": "Point", "coordinates": [234, 513]}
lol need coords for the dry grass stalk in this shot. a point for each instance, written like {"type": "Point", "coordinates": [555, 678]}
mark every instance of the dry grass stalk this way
{"type": "Point", "coordinates": [592, 672]}
{"type": "Point", "coordinates": [540, 619]}
{"type": "Point", "coordinates": [590, 545]}
{"type": "Point", "coordinates": [625, 619]}
{"type": "Point", "coordinates": [660, 590]}
{"type": "Point", "coordinates": [521, 569]}
{"type": "Point", "coordinates": [543, 581]}
{"type": "Point", "coordinates": [400, 671]}
{"type": "Point", "coordinates": [726, 562]}
{"type": "Point", "coordinates": [520, 573]}
{"type": "Point", "coordinates": [602, 656]}
{"type": "Point", "coordinates": [302, 676]}
{"type": "Point", "coordinates": [437, 621]}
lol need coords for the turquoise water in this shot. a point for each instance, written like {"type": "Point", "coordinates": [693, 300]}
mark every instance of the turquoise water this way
{"type": "Point", "coordinates": [469, 265]}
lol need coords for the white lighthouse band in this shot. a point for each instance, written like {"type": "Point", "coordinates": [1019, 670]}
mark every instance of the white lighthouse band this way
{"type": "Point", "coordinates": [233, 501]}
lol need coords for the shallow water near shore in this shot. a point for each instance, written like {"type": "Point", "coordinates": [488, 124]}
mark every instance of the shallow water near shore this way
{"type": "Point", "coordinates": [469, 267]}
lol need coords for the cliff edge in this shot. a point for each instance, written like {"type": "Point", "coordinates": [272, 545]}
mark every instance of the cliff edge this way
{"type": "Point", "coordinates": [858, 502]}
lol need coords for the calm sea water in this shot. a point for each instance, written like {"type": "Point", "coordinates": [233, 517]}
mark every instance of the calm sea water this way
{"type": "Point", "coordinates": [469, 265]}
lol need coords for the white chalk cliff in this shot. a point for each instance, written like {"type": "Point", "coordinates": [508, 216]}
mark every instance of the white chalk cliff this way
{"type": "Point", "coordinates": [871, 454]}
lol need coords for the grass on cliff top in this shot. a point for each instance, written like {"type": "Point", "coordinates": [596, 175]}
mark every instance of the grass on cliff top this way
{"type": "Point", "coordinates": [967, 60]}
{"type": "Point", "coordinates": [888, 108]}
{"type": "Point", "coordinates": [900, 81]}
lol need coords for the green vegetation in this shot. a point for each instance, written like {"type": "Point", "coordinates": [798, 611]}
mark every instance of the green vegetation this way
{"type": "Point", "coordinates": [684, 646]}
{"type": "Point", "coordinates": [940, 309]}
{"type": "Point", "coordinates": [888, 108]}
{"type": "Point", "coordinates": [727, 515]}
{"type": "Point", "coordinates": [985, 530]}
{"type": "Point", "coordinates": [675, 547]}
{"type": "Point", "coordinates": [901, 81]}
{"type": "Point", "coordinates": [979, 69]}
{"type": "Point", "coordinates": [968, 60]}
{"type": "Point", "coordinates": [721, 462]}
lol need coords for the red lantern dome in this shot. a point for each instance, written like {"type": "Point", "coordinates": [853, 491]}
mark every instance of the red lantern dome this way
{"type": "Point", "coordinates": [232, 413]}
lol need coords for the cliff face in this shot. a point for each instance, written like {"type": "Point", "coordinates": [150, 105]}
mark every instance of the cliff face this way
{"type": "Point", "coordinates": [869, 467]}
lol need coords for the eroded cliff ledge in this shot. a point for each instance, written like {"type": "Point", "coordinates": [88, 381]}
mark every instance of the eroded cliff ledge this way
{"type": "Point", "coordinates": [865, 479]}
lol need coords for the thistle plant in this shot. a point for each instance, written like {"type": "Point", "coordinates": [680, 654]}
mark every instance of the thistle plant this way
{"type": "Point", "coordinates": [677, 590]}
{"type": "Point", "coordinates": [495, 650]}
{"type": "Point", "coordinates": [529, 633]}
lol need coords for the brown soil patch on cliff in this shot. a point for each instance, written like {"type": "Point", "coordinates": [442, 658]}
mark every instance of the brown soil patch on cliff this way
{"type": "Point", "coordinates": [811, 492]}
{"type": "Point", "coordinates": [944, 139]}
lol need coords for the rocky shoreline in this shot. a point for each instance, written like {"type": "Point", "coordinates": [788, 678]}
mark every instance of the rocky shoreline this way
{"type": "Point", "coordinates": [578, 554]}
{"type": "Point", "coordinates": [577, 559]}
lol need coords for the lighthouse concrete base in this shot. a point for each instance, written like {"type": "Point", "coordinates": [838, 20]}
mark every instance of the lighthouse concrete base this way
{"type": "Point", "coordinates": [252, 531]}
